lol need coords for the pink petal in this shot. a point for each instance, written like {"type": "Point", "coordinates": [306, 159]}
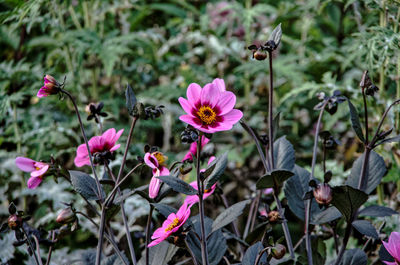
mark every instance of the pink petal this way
{"type": "Point", "coordinates": [33, 182]}
{"type": "Point", "coordinates": [81, 161]}
{"type": "Point", "coordinates": [233, 116]}
{"type": "Point", "coordinates": [193, 94]}
{"type": "Point", "coordinates": [187, 107]}
{"type": "Point", "coordinates": [182, 210]}
{"type": "Point", "coordinates": [108, 136]}
{"type": "Point", "coordinates": [389, 263]}
{"type": "Point", "coordinates": [154, 187]}
{"type": "Point", "coordinates": [157, 241]}
{"type": "Point", "coordinates": [191, 199]}
{"type": "Point", "coordinates": [42, 93]}
{"type": "Point", "coordinates": [25, 164]}
{"type": "Point", "coordinates": [210, 95]}
{"type": "Point", "coordinates": [226, 102]}
{"type": "Point", "coordinates": [115, 147]}
{"type": "Point", "coordinates": [118, 135]}
{"type": "Point", "coordinates": [151, 160]}
{"type": "Point", "coordinates": [40, 172]}
{"type": "Point", "coordinates": [95, 143]}
{"type": "Point", "coordinates": [164, 171]}
{"type": "Point", "coordinates": [220, 83]}
{"type": "Point", "coordinates": [212, 158]}
{"type": "Point", "coordinates": [195, 122]}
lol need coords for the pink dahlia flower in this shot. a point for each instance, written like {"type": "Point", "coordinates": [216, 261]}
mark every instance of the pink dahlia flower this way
{"type": "Point", "coordinates": [210, 109]}
{"type": "Point", "coordinates": [50, 87]}
{"type": "Point", "coordinates": [37, 169]}
{"type": "Point", "coordinates": [193, 149]}
{"type": "Point", "coordinates": [393, 247]}
{"type": "Point", "coordinates": [156, 161]}
{"type": "Point", "coordinates": [192, 199]}
{"type": "Point", "coordinates": [171, 225]}
{"type": "Point", "coordinates": [98, 144]}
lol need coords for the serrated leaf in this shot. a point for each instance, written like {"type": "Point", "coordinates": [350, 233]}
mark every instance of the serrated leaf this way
{"type": "Point", "coordinates": [365, 228]}
{"type": "Point", "coordinates": [251, 254]}
{"type": "Point", "coordinates": [164, 209]}
{"type": "Point", "coordinates": [267, 181]}
{"type": "Point", "coordinates": [178, 185]}
{"type": "Point", "coordinates": [376, 171]}
{"type": "Point", "coordinates": [85, 185]}
{"type": "Point", "coordinates": [276, 35]}
{"type": "Point", "coordinates": [130, 100]}
{"type": "Point", "coordinates": [347, 200]}
{"type": "Point", "coordinates": [284, 157]}
{"type": "Point", "coordinates": [355, 121]}
{"type": "Point", "coordinates": [219, 165]}
{"type": "Point", "coordinates": [354, 257]}
{"type": "Point", "coordinates": [377, 211]}
{"type": "Point", "coordinates": [229, 215]}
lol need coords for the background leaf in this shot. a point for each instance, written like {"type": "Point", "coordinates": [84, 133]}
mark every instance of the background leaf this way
{"type": "Point", "coordinates": [229, 215]}
{"type": "Point", "coordinates": [178, 185]}
{"type": "Point", "coordinates": [251, 254]}
{"type": "Point", "coordinates": [354, 257]}
{"type": "Point", "coordinates": [84, 185]}
{"type": "Point", "coordinates": [355, 121]}
{"type": "Point", "coordinates": [365, 228]}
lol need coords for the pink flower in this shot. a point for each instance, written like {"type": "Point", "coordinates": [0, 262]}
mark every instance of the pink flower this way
{"type": "Point", "coordinates": [393, 247]}
{"type": "Point", "coordinates": [193, 149]}
{"type": "Point", "coordinates": [268, 191]}
{"type": "Point", "coordinates": [171, 225]}
{"type": "Point", "coordinates": [192, 199]}
{"type": "Point", "coordinates": [37, 169]}
{"type": "Point", "coordinates": [156, 161]}
{"type": "Point", "coordinates": [98, 144]}
{"type": "Point", "coordinates": [50, 87]}
{"type": "Point", "coordinates": [210, 109]}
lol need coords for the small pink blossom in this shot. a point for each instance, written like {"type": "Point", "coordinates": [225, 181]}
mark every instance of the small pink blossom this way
{"type": "Point", "coordinates": [192, 199]}
{"type": "Point", "coordinates": [50, 87]}
{"type": "Point", "coordinates": [210, 109]}
{"type": "Point", "coordinates": [171, 225]}
{"type": "Point", "coordinates": [393, 247]}
{"type": "Point", "coordinates": [156, 161]}
{"type": "Point", "coordinates": [98, 144]}
{"type": "Point", "coordinates": [37, 169]}
{"type": "Point", "coordinates": [268, 191]}
{"type": "Point", "coordinates": [193, 149]}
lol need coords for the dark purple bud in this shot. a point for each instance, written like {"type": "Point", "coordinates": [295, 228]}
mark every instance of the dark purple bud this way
{"type": "Point", "coordinates": [66, 216]}
{"type": "Point", "coordinates": [323, 194]}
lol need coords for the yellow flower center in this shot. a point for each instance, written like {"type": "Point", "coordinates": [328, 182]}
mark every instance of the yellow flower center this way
{"type": "Point", "coordinates": [37, 168]}
{"type": "Point", "coordinates": [172, 225]}
{"type": "Point", "coordinates": [206, 191]}
{"type": "Point", "coordinates": [207, 115]}
{"type": "Point", "coordinates": [160, 157]}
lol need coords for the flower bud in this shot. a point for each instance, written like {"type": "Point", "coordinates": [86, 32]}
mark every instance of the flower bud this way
{"type": "Point", "coordinates": [273, 216]}
{"type": "Point", "coordinates": [66, 216]}
{"type": "Point", "coordinates": [50, 87]}
{"type": "Point", "coordinates": [278, 251]}
{"type": "Point", "coordinates": [323, 194]}
{"type": "Point", "coordinates": [259, 55]}
{"type": "Point", "coordinates": [14, 222]}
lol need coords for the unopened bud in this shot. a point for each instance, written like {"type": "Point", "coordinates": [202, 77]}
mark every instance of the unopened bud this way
{"type": "Point", "coordinates": [14, 222]}
{"type": "Point", "coordinates": [278, 251]}
{"type": "Point", "coordinates": [259, 55]}
{"type": "Point", "coordinates": [66, 216]}
{"type": "Point", "coordinates": [323, 194]}
{"type": "Point", "coordinates": [273, 216]}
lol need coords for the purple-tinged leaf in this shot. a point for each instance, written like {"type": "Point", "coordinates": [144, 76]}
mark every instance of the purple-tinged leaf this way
{"type": "Point", "coordinates": [365, 228]}
{"type": "Point", "coordinates": [377, 211]}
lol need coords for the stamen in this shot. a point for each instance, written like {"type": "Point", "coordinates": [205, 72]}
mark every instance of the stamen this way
{"type": "Point", "coordinates": [172, 225]}
{"type": "Point", "coordinates": [160, 157]}
{"type": "Point", "coordinates": [207, 115]}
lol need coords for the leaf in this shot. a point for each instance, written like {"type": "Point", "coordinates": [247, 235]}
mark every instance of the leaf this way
{"type": "Point", "coordinates": [229, 215]}
{"type": "Point", "coordinates": [115, 260]}
{"type": "Point", "coordinates": [365, 228]}
{"type": "Point", "coordinates": [354, 257]}
{"type": "Point", "coordinates": [376, 170]}
{"type": "Point", "coordinates": [355, 121]}
{"type": "Point", "coordinates": [216, 242]}
{"type": "Point", "coordinates": [276, 35]}
{"type": "Point", "coordinates": [347, 200]}
{"type": "Point", "coordinates": [178, 185]}
{"type": "Point", "coordinates": [377, 211]}
{"type": "Point", "coordinates": [160, 254]}
{"type": "Point", "coordinates": [219, 165]}
{"type": "Point", "coordinates": [85, 185]}
{"type": "Point", "coordinates": [267, 181]}
{"type": "Point", "coordinates": [164, 209]}
{"type": "Point", "coordinates": [12, 209]}
{"type": "Point", "coordinates": [130, 100]}
{"type": "Point", "coordinates": [251, 254]}
{"type": "Point", "coordinates": [295, 188]}
{"type": "Point", "coordinates": [328, 215]}
{"type": "Point", "coordinates": [284, 154]}
{"type": "Point", "coordinates": [389, 140]}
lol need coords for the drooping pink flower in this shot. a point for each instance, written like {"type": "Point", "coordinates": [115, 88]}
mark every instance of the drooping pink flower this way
{"type": "Point", "coordinates": [393, 247]}
{"type": "Point", "coordinates": [210, 109]}
{"type": "Point", "coordinates": [156, 161]}
{"type": "Point", "coordinates": [98, 144]}
{"type": "Point", "coordinates": [193, 149]}
{"type": "Point", "coordinates": [50, 87]}
{"type": "Point", "coordinates": [171, 225]}
{"type": "Point", "coordinates": [37, 170]}
{"type": "Point", "coordinates": [192, 199]}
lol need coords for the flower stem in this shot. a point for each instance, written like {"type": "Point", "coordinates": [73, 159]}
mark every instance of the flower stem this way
{"type": "Point", "coordinates": [38, 249]}
{"type": "Point", "coordinates": [50, 248]}
{"type": "Point", "coordinates": [101, 234]}
{"type": "Point", "coordinates": [270, 109]}
{"type": "Point", "coordinates": [148, 227]}
{"type": "Point", "coordinates": [30, 245]}
{"type": "Point", "coordinates": [204, 253]}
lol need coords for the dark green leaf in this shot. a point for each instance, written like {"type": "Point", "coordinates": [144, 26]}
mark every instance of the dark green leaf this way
{"type": "Point", "coordinates": [164, 209]}
{"type": "Point", "coordinates": [394, 139]}
{"type": "Point", "coordinates": [12, 209]}
{"type": "Point", "coordinates": [347, 200]}
{"type": "Point", "coordinates": [377, 211]}
{"type": "Point", "coordinates": [251, 254]}
{"type": "Point", "coordinates": [160, 254]}
{"type": "Point", "coordinates": [216, 242]}
{"type": "Point", "coordinates": [328, 215]}
{"type": "Point", "coordinates": [354, 257]}
{"type": "Point", "coordinates": [276, 124]}
{"type": "Point", "coordinates": [355, 121]}
{"type": "Point", "coordinates": [267, 181]}
{"type": "Point", "coordinates": [376, 170]}
{"type": "Point", "coordinates": [284, 154]}
{"type": "Point", "coordinates": [219, 165]}
{"type": "Point", "coordinates": [365, 228]}
{"type": "Point", "coordinates": [85, 185]}
{"type": "Point", "coordinates": [130, 100]}
{"type": "Point", "coordinates": [229, 215]}
{"type": "Point", "coordinates": [276, 35]}
{"type": "Point", "coordinates": [178, 185]}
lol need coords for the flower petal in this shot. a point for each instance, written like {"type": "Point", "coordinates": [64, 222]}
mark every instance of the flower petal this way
{"type": "Point", "coordinates": [226, 102]}
{"type": "Point", "coordinates": [233, 116]}
{"type": "Point", "coordinates": [220, 83]}
{"type": "Point", "coordinates": [115, 147]}
{"type": "Point", "coordinates": [151, 160]}
{"type": "Point", "coordinates": [33, 182]}
{"type": "Point", "coordinates": [81, 161]}
{"type": "Point", "coordinates": [42, 93]}
{"type": "Point", "coordinates": [210, 95]}
{"type": "Point", "coordinates": [43, 169]}
{"type": "Point", "coordinates": [25, 164]}
{"type": "Point", "coordinates": [187, 107]}
{"type": "Point", "coordinates": [194, 121]}
{"type": "Point", "coordinates": [154, 187]}
{"type": "Point", "coordinates": [193, 94]}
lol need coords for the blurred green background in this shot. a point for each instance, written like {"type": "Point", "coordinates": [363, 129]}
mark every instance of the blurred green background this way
{"type": "Point", "coordinates": [159, 48]}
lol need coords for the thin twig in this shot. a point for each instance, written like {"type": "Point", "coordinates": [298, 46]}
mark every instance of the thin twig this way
{"type": "Point", "coordinates": [30, 245]}
{"type": "Point", "coordinates": [191, 253]}
{"type": "Point", "coordinates": [148, 227]}
{"type": "Point", "coordinates": [50, 248]}
{"type": "Point", "coordinates": [37, 249]}
{"type": "Point", "coordinates": [259, 256]}
{"type": "Point", "coordinates": [270, 108]}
